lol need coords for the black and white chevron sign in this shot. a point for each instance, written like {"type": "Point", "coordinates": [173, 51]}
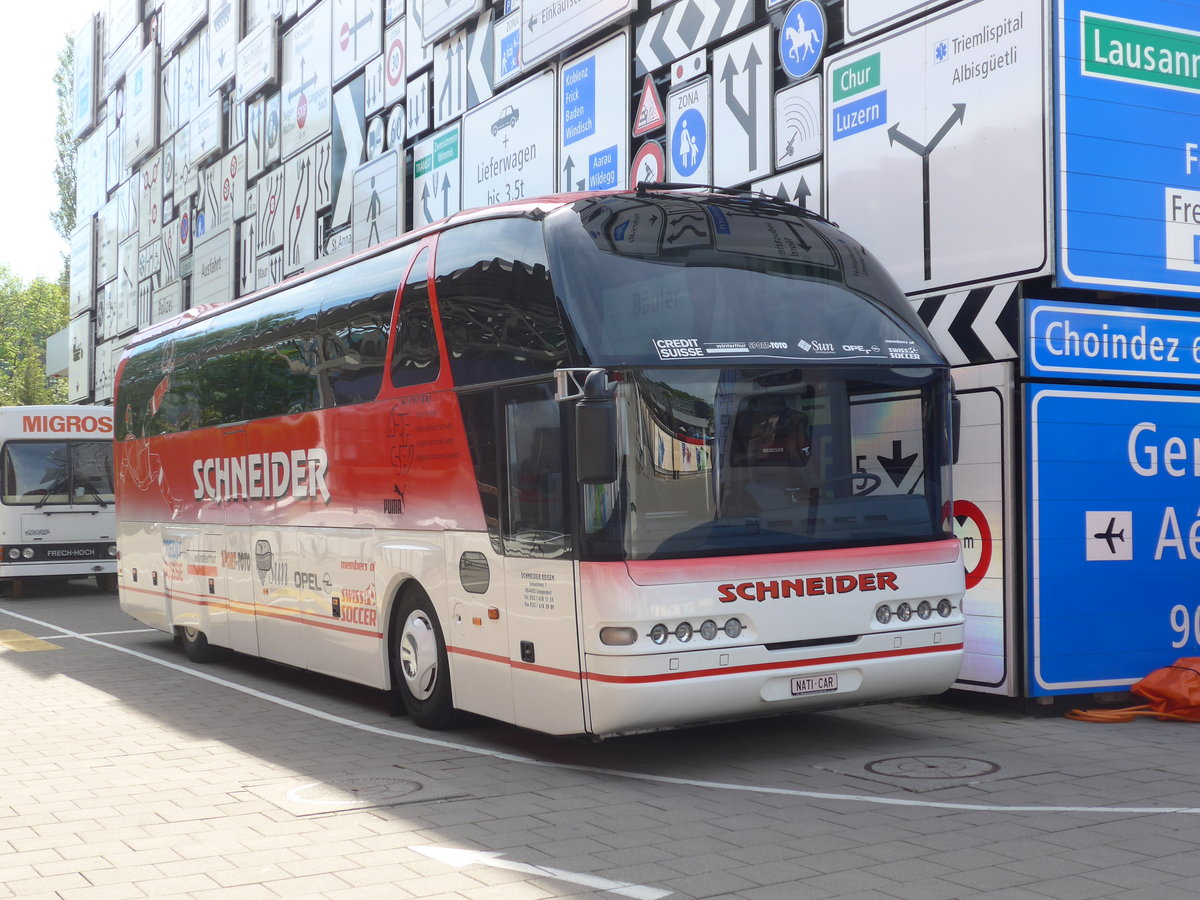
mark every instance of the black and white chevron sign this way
{"type": "Point", "coordinates": [974, 326]}
{"type": "Point", "coordinates": [686, 27]}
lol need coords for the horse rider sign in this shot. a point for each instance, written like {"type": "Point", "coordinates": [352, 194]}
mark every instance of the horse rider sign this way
{"type": "Point", "coordinates": [802, 39]}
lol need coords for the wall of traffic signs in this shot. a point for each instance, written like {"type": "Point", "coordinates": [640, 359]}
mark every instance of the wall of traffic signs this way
{"type": "Point", "coordinates": [228, 144]}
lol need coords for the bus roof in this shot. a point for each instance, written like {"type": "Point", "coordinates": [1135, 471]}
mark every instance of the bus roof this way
{"type": "Point", "coordinates": [537, 205]}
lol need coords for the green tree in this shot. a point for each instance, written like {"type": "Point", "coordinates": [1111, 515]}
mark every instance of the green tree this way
{"type": "Point", "coordinates": [29, 314]}
{"type": "Point", "coordinates": [63, 218]}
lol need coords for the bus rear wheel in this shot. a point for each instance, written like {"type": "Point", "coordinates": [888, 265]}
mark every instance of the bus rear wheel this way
{"type": "Point", "coordinates": [420, 666]}
{"type": "Point", "coordinates": [195, 644]}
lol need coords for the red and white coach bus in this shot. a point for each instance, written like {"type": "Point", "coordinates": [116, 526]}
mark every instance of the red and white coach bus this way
{"type": "Point", "coordinates": [590, 464]}
{"type": "Point", "coordinates": [56, 505]}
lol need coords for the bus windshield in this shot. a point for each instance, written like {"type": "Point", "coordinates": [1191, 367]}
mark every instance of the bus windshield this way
{"type": "Point", "coordinates": [753, 460]}
{"type": "Point", "coordinates": [42, 473]}
{"type": "Point", "coordinates": [665, 279]}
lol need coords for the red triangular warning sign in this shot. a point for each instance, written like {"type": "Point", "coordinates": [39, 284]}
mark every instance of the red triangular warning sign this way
{"type": "Point", "coordinates": [650, 112]}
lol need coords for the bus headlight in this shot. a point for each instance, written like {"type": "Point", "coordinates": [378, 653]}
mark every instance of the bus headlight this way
{"type": "Point", "coordinates": [683, 632]}
{"type": "Point", "coordinates": [883, 615]}
{"type": "Point", "coordinates": [708, 629]}
{"type": "Point", "coordinates": [659, 633]}
{"type": "Point", "coordinates": [112, 550]}
{"type": "Point", "coordinates": [924, 609]}
{"type": "Point", "coordinates": [945, 608]}
{"type": "Point", "coordinates": [733, 628]}
{"type": "Point", "coordinates": [903, 612]}
{"type": "Point", "coordinates": [14, 553]}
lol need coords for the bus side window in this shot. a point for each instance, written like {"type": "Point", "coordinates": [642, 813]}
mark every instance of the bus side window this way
{"type": "Point", "coordinates": [283, 367]}
{"type": "Point", "coordinates": [179, 396]}
{"type": "Point", "coordinates": [415, 356]}
{"type": "Point", "coordinates": [354, 324]}
{"type": "Point", "coordinates": [142, 374]}
{"type": "Point", "coordinates": [499, 314]}
{"type": "Point", "coordinates": [535, 521]}
{"type": "Point", "coordinates": [222, 369]}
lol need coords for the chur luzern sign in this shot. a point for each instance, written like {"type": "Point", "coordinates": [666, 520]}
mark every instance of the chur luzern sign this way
{"type": "Point", "coordinates": [935, 146]}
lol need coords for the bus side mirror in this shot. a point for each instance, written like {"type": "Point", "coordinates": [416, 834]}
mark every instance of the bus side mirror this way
{"type": "Point", "coordinates": [955, 427]}
{"type": "Point", "coordinates": [596, 432]}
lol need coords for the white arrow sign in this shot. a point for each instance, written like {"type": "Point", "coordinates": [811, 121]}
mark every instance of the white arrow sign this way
{"type": "Point", "coordinates": [459, 858]}
{"type": "Point", "coordinates": [742, 108]}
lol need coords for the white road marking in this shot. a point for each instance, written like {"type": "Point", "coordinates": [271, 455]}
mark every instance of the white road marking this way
{"type": "Point", "coordinates": [100, 633]}
{"type": "Point", "coordinates": [593, 770]}
{"type": "Point", "coordinates": [459, 859]}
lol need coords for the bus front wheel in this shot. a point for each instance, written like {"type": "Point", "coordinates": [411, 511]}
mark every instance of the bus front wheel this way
{"type": "Point", "coordinates": [420, 665]}
{"type": "Point", "coordinates": [195, 644]}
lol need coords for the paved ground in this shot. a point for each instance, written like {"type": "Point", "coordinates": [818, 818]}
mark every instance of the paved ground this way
{"type": "Point", "coordinates": [126, 771]}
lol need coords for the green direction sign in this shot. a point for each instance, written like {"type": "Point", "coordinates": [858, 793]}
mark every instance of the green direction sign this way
{"type": "Point", "coordinates": [1142, 53]}
{"type": "Point", "coordinates": [860, 76]}
{"type": "Point", "coordinates": [445, 150]}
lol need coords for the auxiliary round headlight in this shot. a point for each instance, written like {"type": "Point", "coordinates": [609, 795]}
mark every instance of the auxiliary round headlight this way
{"type": "Point", "coordinates": [27, 553]}
{"type": "Point", "coordinates": [733, 628]}
{"type": "Point", "coordinates": [924, 610]}
{"type": "Point", "coordinates": [14, 553]}
{"type": "Point", "coordinates": [683, 632]}
{"type": "Point", "coordinates": [708, 629]}
{"type": "Point", "coordinates": [658, 634]}
{"type": "Point", "coordinates": [883, 615]}
{"type": "Point", "coordinates": [945, 608]}
{"type": "Point", "coordinates": [903, 612]}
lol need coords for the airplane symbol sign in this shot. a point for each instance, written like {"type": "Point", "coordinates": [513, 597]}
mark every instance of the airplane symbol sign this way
{"type": "Point", "coordinates": [1109, 535]}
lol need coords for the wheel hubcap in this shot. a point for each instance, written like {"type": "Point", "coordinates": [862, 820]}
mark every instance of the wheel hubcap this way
{"type": "Point", "coordinates": [418, 656]}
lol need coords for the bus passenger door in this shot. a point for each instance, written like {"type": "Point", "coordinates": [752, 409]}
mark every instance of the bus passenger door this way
{"type": "Point", "coordinates": [539, 564]}
{"type": "Point", "coordinates": [521, 570]}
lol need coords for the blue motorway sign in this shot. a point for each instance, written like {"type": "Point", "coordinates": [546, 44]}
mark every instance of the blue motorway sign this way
{"type": "Point", "coordinates": [1073, 340]}
{"type": "Point", "coordinates": [579, 101]}
{"type": "Point", "coordinates": [1113, 519]}
{"type": "Point", "coordinates": [1128, 149]}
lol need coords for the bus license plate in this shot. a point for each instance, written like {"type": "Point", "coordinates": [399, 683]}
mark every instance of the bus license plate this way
{"type": "Point", "coordinates": [814, 684]}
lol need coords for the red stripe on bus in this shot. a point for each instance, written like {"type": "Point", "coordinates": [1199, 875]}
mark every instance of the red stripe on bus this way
{"type": "Point", "coordinates": [515, 664]}
{"type": "Point", "coordinates": [297, 616]}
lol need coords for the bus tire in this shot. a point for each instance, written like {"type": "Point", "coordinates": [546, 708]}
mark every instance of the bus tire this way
{"type": "Point", "coordinates": [106, 582]}
{"type": "Point", "coordinates": [420, 665]}
{"type": "Point", "coordinates": [195, 644]}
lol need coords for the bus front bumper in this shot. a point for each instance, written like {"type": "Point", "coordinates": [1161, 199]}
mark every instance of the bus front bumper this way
{"type": "Point", "coordinates": [10, 571]}
{"type": "Point", "coordinates": [648, 692]}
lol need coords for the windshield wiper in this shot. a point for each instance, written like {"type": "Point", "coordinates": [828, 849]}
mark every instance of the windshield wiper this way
{"type": "Point", "coordinates": [54, 486]}
{"type": "Point", "coordinates": [87, 486]}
